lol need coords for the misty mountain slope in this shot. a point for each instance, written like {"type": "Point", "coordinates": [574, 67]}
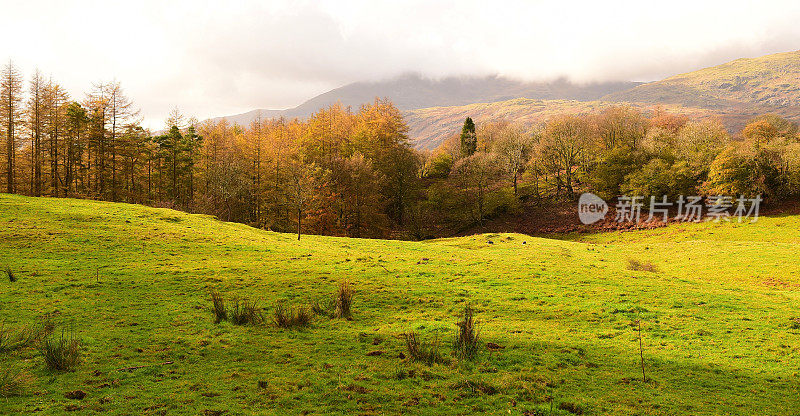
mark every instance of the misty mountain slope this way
{"type": "Point", "coordinates": [411, 91]}
{"type": "Point", "coordinates": [430, 127]}
{"type": "Point", "coordinates": [766, 83]}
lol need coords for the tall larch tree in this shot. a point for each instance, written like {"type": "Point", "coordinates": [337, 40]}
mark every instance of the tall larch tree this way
{"type": "Point", "coordinates": [120, 113]}
{"type": "Point", "coordinates": [10, 117]}
{"type": "Point", "coordinates": [36, 118]}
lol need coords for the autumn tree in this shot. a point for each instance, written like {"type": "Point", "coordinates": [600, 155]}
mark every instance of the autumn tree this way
{"type": "Point", "coordinates": [56, 99]}
{"type": "Point", "coordinates": [301, 186]}
{"type": "Point", "coordinates": [36, 127]}
{"type": "Point", "coordinates": [475, 175]}
{"type": "Point", "coordinates": [97, 104]}
{"type": "Point", "coordinates": [563, 146]}
{"type": "Point", "coordinates": [75, 124]}
{"type": "Point", "coordinates": [513, 148]}
{"type": "Point", "coordinates": [119, 115]}
{"type": "Point", "coordinates": [10, 117]}
{"type": "Point", "coordinates": [621, 126]}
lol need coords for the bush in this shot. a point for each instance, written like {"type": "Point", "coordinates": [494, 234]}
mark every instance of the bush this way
{"type": "Point", "coordinates": [636, 265]}
{"type": "Point", "coordinates": [62, 353]}
{"type": "Point", "coordinates": [218, 308]}
{"type": "Point", "coordinates": [14, 382]}
{"type": "Point", "coordinates": [244, 312]}
{"type": "Point", "coordinates": [422, 351]}
{"type": "Point", "coordinates": [466, 344]}
{"type": "Point", "coordinates": [344, 300]}
{"type": "Point", "coordinates": [291, 317]}
{"type": "Point", "coordinates": [10, 274]}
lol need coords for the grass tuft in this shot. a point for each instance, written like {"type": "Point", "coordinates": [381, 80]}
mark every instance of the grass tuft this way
{"type": "Point", "coordinates": [60, 353]}
{"type": "Point", "coordinates": [244, 311]}
{"type": "Point", "coordinates": [423, 351]}
{"type": "Point", "coordinates": [466, 343]}
{"type": "Point", "coordinates": [344, 300]}
{"type": "Point", "coordinates": [14, 382]}
{"type": "Point", "coordinates": [291, 317]}
{"type": "Point", "coordinates": [12, 277]}
{"type": "Point", "coordinates": [636, 265]}
{"type": "Point", "coordinates": [324, 308]}
{"type": "Point", "coordinates": [28, 335]}
{"type": "Point", "coordinates": [218, 308]}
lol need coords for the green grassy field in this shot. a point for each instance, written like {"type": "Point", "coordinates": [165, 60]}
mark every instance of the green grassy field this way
{"type": "Point", "coordinates": [720, 324]}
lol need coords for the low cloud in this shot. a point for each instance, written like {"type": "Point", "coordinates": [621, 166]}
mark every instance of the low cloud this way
{"type": "Point", "coordinates": [220, 59]}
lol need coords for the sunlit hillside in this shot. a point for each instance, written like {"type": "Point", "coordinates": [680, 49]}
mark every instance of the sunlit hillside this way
{"type": "Point", "coordinates": [429, 127]}
{"type": "Point", "coordinates": [747, 85]}
{"type": "Point", "coordinates": [717, 303]}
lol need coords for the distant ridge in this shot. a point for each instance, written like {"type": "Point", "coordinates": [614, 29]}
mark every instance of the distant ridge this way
{"type": "Point", "coordinates": [412, 91]}
{"type": "Point", "coordinates": [733, 92]}
{"type": "Point", "coordinates": [769, 83]}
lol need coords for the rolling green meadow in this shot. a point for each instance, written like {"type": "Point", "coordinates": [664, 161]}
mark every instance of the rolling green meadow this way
{"type": "Point", "coordinates": [719, 314]}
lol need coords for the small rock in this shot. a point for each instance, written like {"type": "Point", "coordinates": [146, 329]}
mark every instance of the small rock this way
{"type": "Point", "coordinates": [374, 353]}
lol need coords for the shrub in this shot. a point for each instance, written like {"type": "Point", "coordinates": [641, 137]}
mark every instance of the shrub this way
{"type": "Point", "coordinates": [344, 300]}
{"type": "Point", "coordinates": [422, 351]}
{"type": "Point", "coordinates": [14, 382]}
{"type": "Point", "coordinates": [62, 353]}
{"type": "Point", "coordinates": [291, 317]}
{"type": "Point", "coordinates": [220, 314]}
{"type": "Point", "coordinates": [636, 265]}
{"type": "Point", "coordinates": [10, 274]}
{"type": "Point", "coordinates": [244, 312]}
{"type": "Point", "coordinates": [466, 344]}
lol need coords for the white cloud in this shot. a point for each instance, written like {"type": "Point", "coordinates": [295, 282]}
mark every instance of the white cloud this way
{"type": "Point", "coordinates": [213, 58]}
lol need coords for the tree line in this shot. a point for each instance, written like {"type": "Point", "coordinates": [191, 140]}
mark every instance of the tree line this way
{"type": "Point", "coordinates": [355, 173]}
{"type": "Point", "coordinates": [491, 168]}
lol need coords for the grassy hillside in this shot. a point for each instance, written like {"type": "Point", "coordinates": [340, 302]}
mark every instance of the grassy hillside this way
{"type": "Point", "coordinates": [749, 85]}
{"type": "Point", "coordinates": [719, 318]}
{"type": "Point", "coordinates": [429, 127]}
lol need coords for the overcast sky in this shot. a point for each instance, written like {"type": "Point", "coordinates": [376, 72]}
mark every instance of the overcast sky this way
{"type": "Point", "coordinates": [220, 58]}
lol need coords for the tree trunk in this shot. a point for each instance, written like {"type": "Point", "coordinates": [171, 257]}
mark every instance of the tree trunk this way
{"type": "Point", "coordinates": [299, 213]}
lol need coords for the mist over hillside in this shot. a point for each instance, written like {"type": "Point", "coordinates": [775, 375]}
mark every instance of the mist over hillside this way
{"type": "Point", "coordinates": [412, 91]}
{"type": "Point", "coordinates": [733, 92]}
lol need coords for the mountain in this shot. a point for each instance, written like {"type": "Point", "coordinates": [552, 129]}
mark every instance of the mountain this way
{"type": "Point", "coordinates": [734, 92]}
{"type": "Point", "coordinates": [429, 127]}
{"type": "Point", "coordinates": [745, 86]}
{"type": "Point", "coordinates": [411, 91]}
